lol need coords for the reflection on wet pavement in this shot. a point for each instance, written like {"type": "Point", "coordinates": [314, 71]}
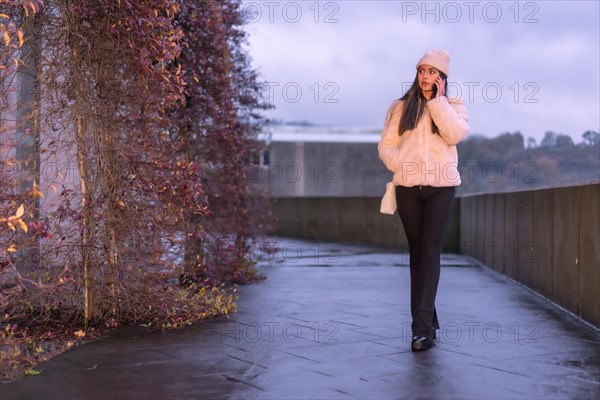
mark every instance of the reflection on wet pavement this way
{"type": "Point", "coordinates": [332, 321]}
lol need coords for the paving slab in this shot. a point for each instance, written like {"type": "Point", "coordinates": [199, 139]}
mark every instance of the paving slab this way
{"type": "Point", "coordinates": [332, 321]}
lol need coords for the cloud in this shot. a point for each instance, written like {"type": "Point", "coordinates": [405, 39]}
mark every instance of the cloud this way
{"type": "Point", "coordinates": [366, 57]}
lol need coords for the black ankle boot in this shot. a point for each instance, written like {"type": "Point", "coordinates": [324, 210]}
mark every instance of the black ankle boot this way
{"type": "Point", "coordinates": [421, 343]}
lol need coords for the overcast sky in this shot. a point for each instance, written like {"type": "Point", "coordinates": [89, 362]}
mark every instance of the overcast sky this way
{"type": "Point", "coordinates": [519, 66]}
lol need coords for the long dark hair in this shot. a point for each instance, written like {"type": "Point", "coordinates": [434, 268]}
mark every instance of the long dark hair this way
{"type": "Point", "coordinates": [414, 104]}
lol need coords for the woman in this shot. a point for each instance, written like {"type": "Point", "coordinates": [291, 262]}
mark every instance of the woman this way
{"type": "Point", "coordinates": [418, 144]}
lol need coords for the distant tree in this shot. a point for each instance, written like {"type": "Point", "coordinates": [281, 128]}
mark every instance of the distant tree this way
{"type": "Point", "coordinates": [547, 170]}
{"type": "Point", "coordinates": [471, 148]}
{"type": "Point", "coordinates": [549, 139]}
{"type": "Point", "coordinates": [564, 141]}
{"type": "Point", "coordinates": [507, 143]}
{"type": "Point", "coordinates": [558, 163]}
{"type": "Point", "coordinates": [592, 137]}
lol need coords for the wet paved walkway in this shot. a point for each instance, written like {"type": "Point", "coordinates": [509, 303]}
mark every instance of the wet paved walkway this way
{"type": "Point", "coordinates": [332, 322]}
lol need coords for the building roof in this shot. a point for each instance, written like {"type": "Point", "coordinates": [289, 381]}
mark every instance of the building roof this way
{"type": "Point", "coordinates": [320, 133]}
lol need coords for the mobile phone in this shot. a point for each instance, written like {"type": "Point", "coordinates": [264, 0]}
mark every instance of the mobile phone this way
{"type": "Point", "coordinates": [434, 88]}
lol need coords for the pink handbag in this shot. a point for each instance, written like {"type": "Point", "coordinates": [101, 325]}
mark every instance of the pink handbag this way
{"type": "Point", "coordinates": [388, 202]}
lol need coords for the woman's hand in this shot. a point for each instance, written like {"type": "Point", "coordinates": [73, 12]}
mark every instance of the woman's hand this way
{"type": "Point", "coordinates": [441, 87]}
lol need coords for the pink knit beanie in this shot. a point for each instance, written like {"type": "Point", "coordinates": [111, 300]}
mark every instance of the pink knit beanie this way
{"type": "Point", "coordinates": [438, 59]}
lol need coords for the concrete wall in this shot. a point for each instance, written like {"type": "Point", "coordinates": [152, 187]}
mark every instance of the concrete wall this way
{"type": "Point", "coordinates": [350, 219]}
{"type": "Point", "coordinates": [547, 239]}
{"type": "Point", "coordinates": [323, 169]}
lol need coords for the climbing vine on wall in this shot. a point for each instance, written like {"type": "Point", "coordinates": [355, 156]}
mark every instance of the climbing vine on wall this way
{"type": "Point", "coordinates": [126, 145]}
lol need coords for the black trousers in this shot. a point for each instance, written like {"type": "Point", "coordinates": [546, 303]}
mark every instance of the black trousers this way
{"type": "Point", "coordinates": [424, 212]}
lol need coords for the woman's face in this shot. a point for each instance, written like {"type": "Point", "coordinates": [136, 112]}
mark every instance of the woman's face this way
{"type": "Point", "coordinates": [426, 76]}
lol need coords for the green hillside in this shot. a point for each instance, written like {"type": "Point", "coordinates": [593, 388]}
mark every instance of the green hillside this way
{"type": "Point", "coordinates": [504, 163]}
